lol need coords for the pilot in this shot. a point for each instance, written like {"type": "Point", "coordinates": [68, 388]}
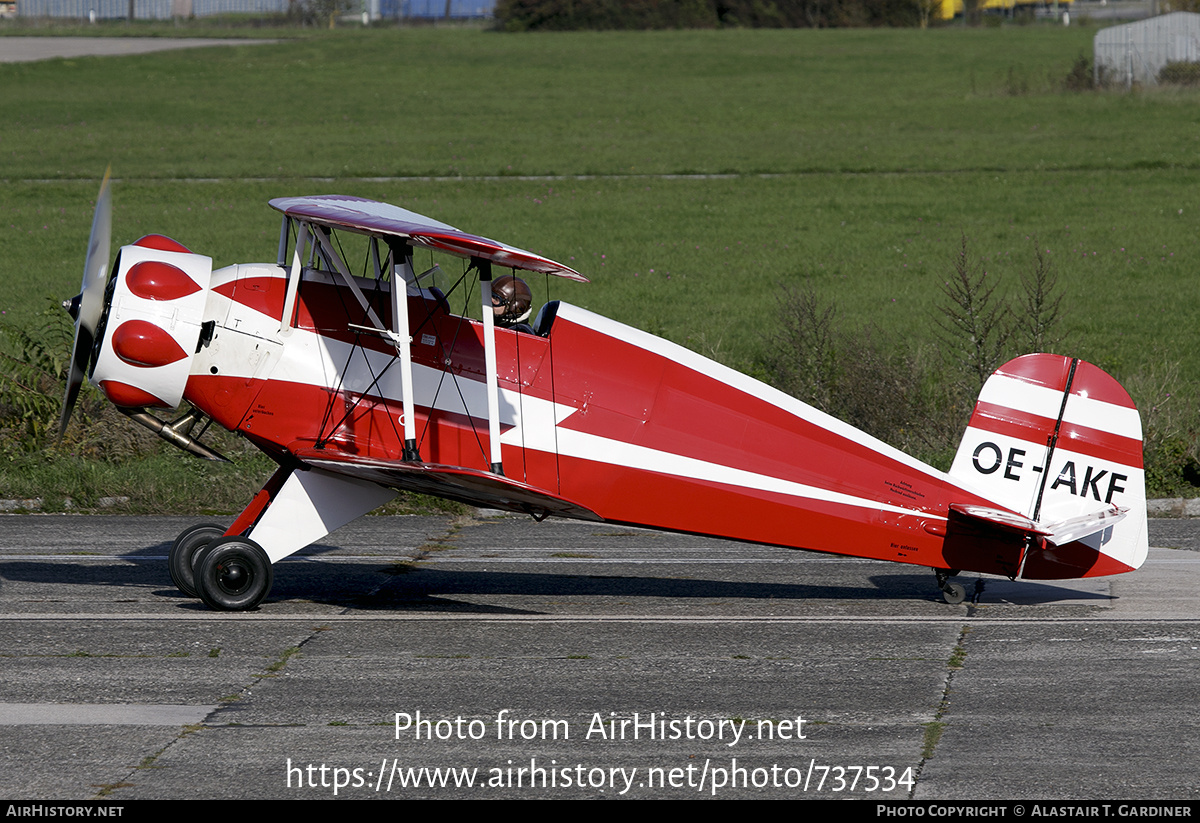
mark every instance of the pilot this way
{"type": "Point", "coordinates": [512, 303]}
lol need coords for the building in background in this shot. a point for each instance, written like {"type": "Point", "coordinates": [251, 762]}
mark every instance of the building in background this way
{"type": "Point", "coordinates": [168, 9]}
{"type": "Point", "coordinates": [1137, 52]}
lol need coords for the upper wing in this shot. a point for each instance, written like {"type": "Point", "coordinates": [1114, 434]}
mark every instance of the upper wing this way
{"type": "Point", "coordinates": [372, 217]}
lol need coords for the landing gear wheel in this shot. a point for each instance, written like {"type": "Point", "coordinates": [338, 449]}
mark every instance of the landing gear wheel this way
{"type": "Point", "coordinates": [954, 593]}
{"type": "Point", "coordinates": [184, 553]}
{"type": "Point", "coordinates": [233, 575]}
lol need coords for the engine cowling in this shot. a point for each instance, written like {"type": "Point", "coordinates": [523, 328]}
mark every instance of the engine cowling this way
{"type": "Point", "coordinates": [152, 323]}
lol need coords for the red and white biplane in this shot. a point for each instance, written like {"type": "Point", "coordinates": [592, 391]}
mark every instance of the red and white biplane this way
{"type": "Point", "coordinates": [360, 383]}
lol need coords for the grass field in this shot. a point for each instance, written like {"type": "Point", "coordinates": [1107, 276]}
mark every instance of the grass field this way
{"type": "Point", "coordinates": [689, 174]}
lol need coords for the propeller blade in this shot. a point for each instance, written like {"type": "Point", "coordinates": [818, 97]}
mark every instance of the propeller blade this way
{"type": "Point", "coordinates": [88, 307]}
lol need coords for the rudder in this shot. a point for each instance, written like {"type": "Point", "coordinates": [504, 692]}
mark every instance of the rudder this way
{"type": "Point", "coordinates": [1060, 441]}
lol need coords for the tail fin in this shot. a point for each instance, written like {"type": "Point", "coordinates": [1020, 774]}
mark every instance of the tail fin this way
{"type": "Point", "coordinates": [1060, 441]}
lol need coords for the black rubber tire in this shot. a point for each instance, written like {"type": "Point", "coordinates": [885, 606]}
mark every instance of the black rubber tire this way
{"type": "Point", "coordinates": [182, 558]}
{"type": "Point", "coordinates": [233, 575]}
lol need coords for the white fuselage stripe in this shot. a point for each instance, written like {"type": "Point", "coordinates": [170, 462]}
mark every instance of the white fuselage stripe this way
{"type": "Point", "coordinates": [312, 359]}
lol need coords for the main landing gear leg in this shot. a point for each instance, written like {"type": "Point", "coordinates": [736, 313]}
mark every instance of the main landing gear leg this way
{"type": "Point", "coordinates": [297, 507]}
{"type": "Point", "coordinates": [952, 593]}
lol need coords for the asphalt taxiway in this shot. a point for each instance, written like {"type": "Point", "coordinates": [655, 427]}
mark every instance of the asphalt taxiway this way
{"type": "Point", "coordinates": [493, 657]}
{"type": "Point", "coordinates": [28, 49]}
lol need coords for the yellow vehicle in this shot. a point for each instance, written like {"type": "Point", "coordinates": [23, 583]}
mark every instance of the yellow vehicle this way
{"type": "Point", "coordinates": [950, 9]}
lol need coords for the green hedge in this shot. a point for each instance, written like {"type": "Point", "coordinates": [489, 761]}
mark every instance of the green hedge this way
{"type": "Point", "coordinates": [561, 15]}
{"type": "Point", "coordinates": [1180, 73]}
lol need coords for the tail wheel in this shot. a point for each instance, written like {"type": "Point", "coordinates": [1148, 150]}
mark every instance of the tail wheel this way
{"type": "Point", "coordinates": [233, 574]}
{"type": "Point", "coordinates": [183, 555]}
{"type": "Point", "coordinates": [954, 593]}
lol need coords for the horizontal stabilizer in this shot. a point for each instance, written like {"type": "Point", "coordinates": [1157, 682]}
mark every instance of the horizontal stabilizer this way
{"type": "Point", "coordinates": [1078, 528]}
{"type": "Point", "coordinates": [998, 517]}
{"type": "Point", "coordinates": [1058, 534]}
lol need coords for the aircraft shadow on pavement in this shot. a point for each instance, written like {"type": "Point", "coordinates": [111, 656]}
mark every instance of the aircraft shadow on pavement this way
{"type": "Point", "coordinates": [375, 585]}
